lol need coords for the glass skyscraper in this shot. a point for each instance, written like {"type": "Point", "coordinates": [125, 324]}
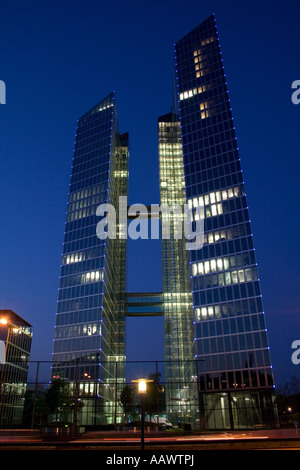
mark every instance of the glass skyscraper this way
{"type": "Point", "coordinates": [177, 297]}
{"type": "Point", "coordinates": [218, 372]}
{"type": "Point", "coordinates": [235, 380]}
{"type": "Point", "coordinates": [90, 320]}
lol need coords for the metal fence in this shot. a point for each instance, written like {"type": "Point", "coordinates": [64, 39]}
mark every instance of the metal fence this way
{"type": "Point", "coordinates": [86, 399]}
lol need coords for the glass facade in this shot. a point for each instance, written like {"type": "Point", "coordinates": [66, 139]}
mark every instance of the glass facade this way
{"type": "Point", "coordinates": [218, 371]}
{"type": "Point", "coordinates": [235, 377]}
{"type": "Point", "coordinates": [15, 346]}
{"type": "Point", "coordinates": [90, 318]}
{"type": "Point", "coordinates": [177, 297]}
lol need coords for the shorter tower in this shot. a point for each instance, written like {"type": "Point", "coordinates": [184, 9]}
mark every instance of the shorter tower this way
{"type": "Point", "coordinates": [177, 297]}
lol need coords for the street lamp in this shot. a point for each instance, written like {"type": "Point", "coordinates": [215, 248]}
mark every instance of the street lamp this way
{"type": "Point", "coordinates": [142, 391]}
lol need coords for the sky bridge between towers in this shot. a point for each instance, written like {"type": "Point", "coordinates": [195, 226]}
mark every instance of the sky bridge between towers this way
{"type": "Point", "coordinates": [144, 304]}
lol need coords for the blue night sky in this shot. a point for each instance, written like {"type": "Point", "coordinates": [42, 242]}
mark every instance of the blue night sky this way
{"type": "Point", "coordinates": [59, 58]}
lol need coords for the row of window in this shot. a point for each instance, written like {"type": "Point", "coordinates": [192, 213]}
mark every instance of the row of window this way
{"type": "Point", "coordinates": [78, 316]}
{"type": "Point", "coordinates": [221, 264]}
{"type": "Point", "coordinates": [91, 136]}
{"type": "Point", "coordinates": [94, 124]}
{"type": "Point", "coordinates": [80, 291]}
{"type": "Point", "coordinates": [204, 42]}
{"type": "Point", "coordinates": [213, 197]}
{"type": "Point", "coordinates": [82, 278]}
{"type": "Point", "coordinates": [235, 379]}
{"type": "Point", "coordinates": [82, 213]}
{"type": "Point", "coordinates": [87, 192]}
{"type": "Point", "coordinates": [222, 294]}
{"type": "Point", "coordinates": [81, 303]}
{"type": "Point", "coordinates": [90, 256]}
{"type": "Point", "coordinates": [233, 343]}
{"type": "Point", "coordinates": [101, 171]}
{"type": "Point", "coordinates": [195, 186]}
{"type": "Point", "coordinates": [228, 278]}
{"type": "Point", "coordinates": [91, 241]}
{"type": "Point", "coordinates": [238, 309]}
{"type": "Point", "coordinates": [86, 329]}
{"type": "Point", "coordinates": [80, 183]}
{"type": "Point", "coordinates": [77, 344]}
{"type": "Point", "coordinates": [211, 133]}
{"type": "Point", "coordinates": [221, 235]}
{"type": "Point", "coordinates": [98, 163]}
{"type": "Point", "coordinates": [216, 90]}
{"type": "Point", "coordinates": [231, 317]}
{"type": "Point", "coordinates": [88, 149]}
{"type": "Point", "coordinates": [194, 91]}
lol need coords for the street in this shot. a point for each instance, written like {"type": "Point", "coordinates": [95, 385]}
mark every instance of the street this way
{"type": "Point", "coordinates": [274, 439]}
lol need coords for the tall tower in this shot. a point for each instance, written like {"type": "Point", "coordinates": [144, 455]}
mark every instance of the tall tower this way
{"type": "Point", "coordinates": [235, 377]}
{"type": "Point", "coordinates": [90, 320]}
{"type": "Point", "coordinates": [177, 298]}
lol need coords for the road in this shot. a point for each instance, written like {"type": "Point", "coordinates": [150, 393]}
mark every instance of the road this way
{"type": "Point", "coordinates": [288, 439]}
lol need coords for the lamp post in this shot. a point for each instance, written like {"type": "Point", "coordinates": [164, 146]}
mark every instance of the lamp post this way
{"type": "Point", "coordinates": [142, 391]}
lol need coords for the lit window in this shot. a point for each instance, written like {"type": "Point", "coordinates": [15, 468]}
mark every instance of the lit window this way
{"type": "Point", "coordinates": [195, 91]}
{"type": "Point", "coordinates": [213, 265]}
{"type": "Point", "coordinates": [200, 268]}
{"type": "Point", "coordinates": [211, 238]}
{"type": "Point", "coordinates": [214, 210]}
{"type": "Point", "coordinates": [221, 279]}
{"type": "Point", "coordinates": [230, 192]}
{"type": "Point", "coordinates": [210, 311]}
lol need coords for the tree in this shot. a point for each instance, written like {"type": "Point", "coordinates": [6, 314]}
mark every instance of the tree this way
{"type": "Point", "coordinates": [153, 398]}
{"type": "Point", "coordinates": [288, 402]}
{"type": "Point", "coordinates": [57, 400]}
{"type": "Point", "coordinates": [127, 401]}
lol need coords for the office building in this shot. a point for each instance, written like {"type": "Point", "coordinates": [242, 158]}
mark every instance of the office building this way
{"type": "Point", "coordinates": [235, 379]}
{"type": "Point", "coordinates": [218, 372]}
{"type": "Point", "coordinates": [90, 322]}
{"type": "Point", "coordinates": [15, 346]}
{"type": "Point", "coordinates": [177, 304]}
